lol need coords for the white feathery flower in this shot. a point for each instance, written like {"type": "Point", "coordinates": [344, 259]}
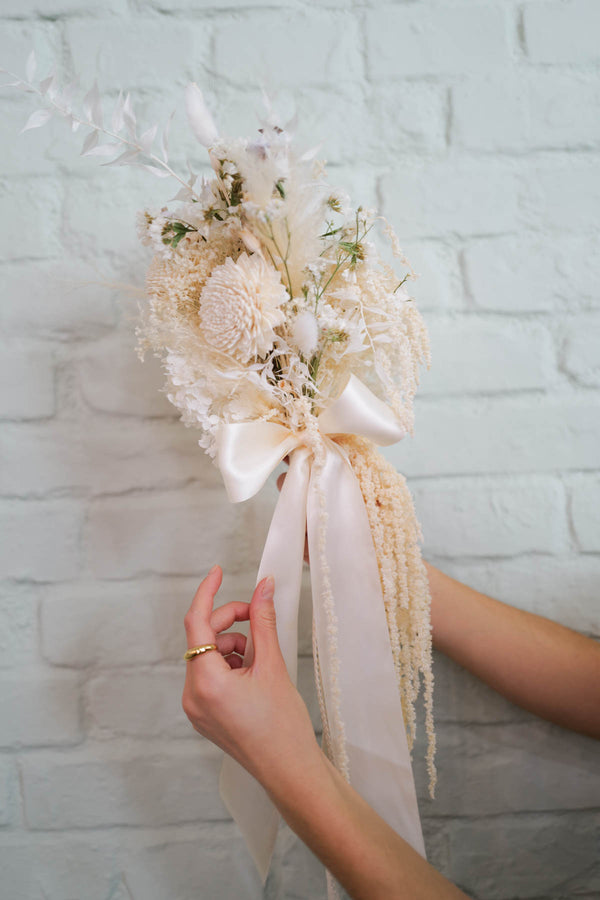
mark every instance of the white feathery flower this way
{"type": "Point", "coordinates": [240, 306]}
{"type": "Point", "coordinates": [199, 117]}
{"type": "Point", "coordinates": [305, 333]}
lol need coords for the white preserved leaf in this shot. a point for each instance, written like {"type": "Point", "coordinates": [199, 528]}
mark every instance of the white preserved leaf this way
{"type": "Point", "coordinates": [37, 118]}
{"type": "Point", "coordinates": [46, 83]}
{"type": "Point", "coordinates": [292, 124]}
{"type": "Point", "coordinates": [103, 150]}
{"type": "Point", "coordinates": [31, 66]}
{"type": "Point", "coordinates": [310, 154]}
{"type": "Point", "coordinates": [116, 123]}
{"type": "Point", "coordinates": [160, 173]}
{"type": "Point", "coordinates": [129, 116]}
{"type": "Point", "coordinates": [199, 117]}
{"type": "Point", "coordinates": [67, 95]}
{"type": "Point", "coordinates": [164, 141]}
{"type": "Point", "coordinates": [193, 177]}
{"type": "Point", "coordinates": [266, 99]}
{"type": "Point", "coordinates": [87, 103]}
{"type": "Point", "coordinates": [92, 106]}
{"type": "Point", "coordinates": [75, 123]}
{"type": "Point", "coordinates": [52, 90]}
{"type": "Point", "coordinates": [147, 138]}
{"type": "Point", "coordinates": [90, 142]}
{"type": "Point", "coordinates": [182, 194]}
{"type": "Point", "coordinates": [124, 159]}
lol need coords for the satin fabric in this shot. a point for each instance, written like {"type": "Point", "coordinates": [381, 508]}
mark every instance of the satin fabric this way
{"type": "Point", "coordinates": [371, 736]}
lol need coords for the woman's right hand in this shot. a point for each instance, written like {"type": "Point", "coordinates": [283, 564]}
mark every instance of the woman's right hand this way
{"type": "Point", "coordinates": [254, 712]}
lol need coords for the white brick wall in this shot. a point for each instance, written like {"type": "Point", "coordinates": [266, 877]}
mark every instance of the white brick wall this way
{"type": "Point", "coordinates": [475, 127]}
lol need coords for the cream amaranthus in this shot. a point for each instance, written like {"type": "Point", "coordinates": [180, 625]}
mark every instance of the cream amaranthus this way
{"type": "Point", "coordinates": [266, 293]}
{"type": "Point", "coordinates": [404, 584]}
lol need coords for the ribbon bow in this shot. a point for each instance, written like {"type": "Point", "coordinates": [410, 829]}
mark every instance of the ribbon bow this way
{"type": "Point", "coordinates": [362, 707]}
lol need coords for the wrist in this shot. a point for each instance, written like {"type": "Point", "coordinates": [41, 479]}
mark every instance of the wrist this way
{"type": "Point", "coordinates": [286, 775]}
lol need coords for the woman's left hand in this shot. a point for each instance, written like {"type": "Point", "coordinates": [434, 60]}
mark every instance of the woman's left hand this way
{"type": "Point", "coordinates": [253, 712]}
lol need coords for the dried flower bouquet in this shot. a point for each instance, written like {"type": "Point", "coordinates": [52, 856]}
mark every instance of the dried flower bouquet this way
{"type": "Point", "coordinates": [283, 332]}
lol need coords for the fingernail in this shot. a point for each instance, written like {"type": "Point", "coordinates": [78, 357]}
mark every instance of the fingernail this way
{"type": "Point", "coordinates": [268, 588]}
{"type": "Point", "coordinates": [214, 569]}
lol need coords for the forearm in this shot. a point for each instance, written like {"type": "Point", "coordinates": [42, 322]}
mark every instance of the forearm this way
{"type": "Point", "coordinates": [538, 664]}
{"type": "Point", "coordinates": [367, 857]}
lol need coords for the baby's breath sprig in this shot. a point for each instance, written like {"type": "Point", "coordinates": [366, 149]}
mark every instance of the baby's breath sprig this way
{"type": "Point", "coordinates": [351, 247]}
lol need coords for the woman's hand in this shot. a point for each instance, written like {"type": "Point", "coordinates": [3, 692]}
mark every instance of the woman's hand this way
{"type": "Point", "coordinates": [252, 712]}
{"type": "Point", "coordinates": [256, 714]}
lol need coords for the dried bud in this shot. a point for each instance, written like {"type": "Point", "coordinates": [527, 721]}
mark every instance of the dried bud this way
{"type": "Point", "coordinates": [305, 333]}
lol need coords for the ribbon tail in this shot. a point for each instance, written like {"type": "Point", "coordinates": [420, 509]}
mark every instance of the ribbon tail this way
{"type": "Point", "coordinates": [246, 800]}
{"type": "Point", "coordinates": [361, 697]}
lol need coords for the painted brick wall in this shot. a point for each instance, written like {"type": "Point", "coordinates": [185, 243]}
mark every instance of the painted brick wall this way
{"type": "Point", "coordinates": [476, 127]}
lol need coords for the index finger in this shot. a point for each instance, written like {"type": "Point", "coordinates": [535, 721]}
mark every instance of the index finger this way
{"type": "Point", "coordinates": [198, 628]}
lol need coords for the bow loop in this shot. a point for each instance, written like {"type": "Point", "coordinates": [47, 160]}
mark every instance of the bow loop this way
{"type": "Point", "coordinates": [247, 452]}
{"type": "Point", "coordinates": [358, 411]}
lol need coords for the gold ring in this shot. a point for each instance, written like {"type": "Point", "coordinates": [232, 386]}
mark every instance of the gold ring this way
{"type": "Point", "coordinates": [198, 651]}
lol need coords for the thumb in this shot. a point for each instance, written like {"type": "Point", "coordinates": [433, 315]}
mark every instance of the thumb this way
{"type": "Point", "coordinates": [263, 623]}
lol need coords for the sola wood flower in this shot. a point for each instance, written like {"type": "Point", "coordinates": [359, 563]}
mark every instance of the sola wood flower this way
{"type": "Point", "coordinates": [240, 306]}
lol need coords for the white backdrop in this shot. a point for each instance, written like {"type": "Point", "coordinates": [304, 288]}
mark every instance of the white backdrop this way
{"type": "Point", "coordinates": [475, 127]}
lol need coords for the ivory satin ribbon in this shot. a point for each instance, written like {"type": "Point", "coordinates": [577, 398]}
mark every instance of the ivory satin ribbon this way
{"type": "Point", "coordinates": [374, 735]}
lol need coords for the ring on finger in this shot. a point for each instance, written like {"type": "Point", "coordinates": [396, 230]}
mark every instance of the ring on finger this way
{"type": "Point", "coordinates": [198, 651]}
